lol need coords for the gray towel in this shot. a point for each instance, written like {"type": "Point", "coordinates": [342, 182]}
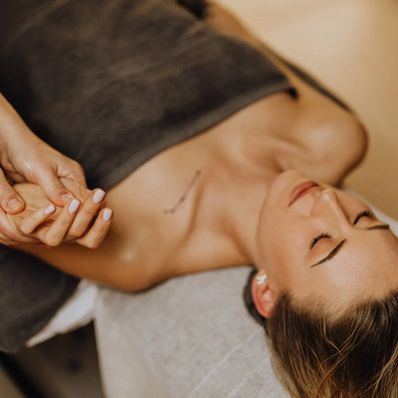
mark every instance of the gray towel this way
{"type": "Point", "coordinates": [111, 84]}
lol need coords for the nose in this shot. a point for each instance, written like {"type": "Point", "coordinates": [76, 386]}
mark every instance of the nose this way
{"type": "Point", "coordinates": [327, 205]}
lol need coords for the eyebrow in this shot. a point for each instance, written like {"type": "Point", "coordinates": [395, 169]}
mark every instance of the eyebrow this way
{"type": "Point", "coordinates": [341, 244]}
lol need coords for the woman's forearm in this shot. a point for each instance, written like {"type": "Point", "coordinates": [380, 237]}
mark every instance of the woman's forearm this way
{"type": "Point", "coordinates": [112, 263]}
{"type": "Point", "coordinates": [105, 265]}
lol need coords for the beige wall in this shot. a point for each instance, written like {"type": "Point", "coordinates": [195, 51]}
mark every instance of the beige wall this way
{"type": "Point", "coordinates": [351, 46]}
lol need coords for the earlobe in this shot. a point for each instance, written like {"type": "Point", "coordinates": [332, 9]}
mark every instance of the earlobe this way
{"type": "Point", "coordinates": [263, 297]}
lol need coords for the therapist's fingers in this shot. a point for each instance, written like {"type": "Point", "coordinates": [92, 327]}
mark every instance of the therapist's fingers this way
{"type": "Point", "coordinates": [97, 233]}
{"type": "Point", "coordinates": [12, 235]}
{"type": "Point", "coordinates": [10, 201]}
{"type": "Point", "coordinates": [57, 231]}
{"type": "Point", "coordinates": [87, 212]}
{"type": "Point", "coordinates": [7, 232]}
{"type": "Point", "coordinates": [30, 223]}
{"type": "Point", "coordinates": [52, 186]}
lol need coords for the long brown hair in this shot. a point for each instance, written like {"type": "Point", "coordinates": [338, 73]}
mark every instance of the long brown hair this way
{"type": "Point", "coordinates": [352, 356]}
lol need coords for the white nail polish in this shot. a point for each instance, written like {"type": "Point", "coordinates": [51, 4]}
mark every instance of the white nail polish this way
{"type": "Point", "coordinates": [98, 196]}
{"type": "Point", "coordinates": [73, 206]}
{"type": "Point", "coordinates": [49, 209]}
{"type": "Point", "coordinates": [107, 214]}
{"type": "Point", "coordinates": [65, 197]}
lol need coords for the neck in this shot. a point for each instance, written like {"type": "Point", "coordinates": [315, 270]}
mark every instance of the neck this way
{"type": "Point", "coordinates": [241, 215]}
{"type": "Point", "coordinates": [247, 152]}
{"type": "Point", "coordinates": [231, 199]}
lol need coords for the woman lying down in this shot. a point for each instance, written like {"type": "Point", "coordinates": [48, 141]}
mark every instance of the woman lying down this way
{"type": "Point", "coordinates": [256, 186]}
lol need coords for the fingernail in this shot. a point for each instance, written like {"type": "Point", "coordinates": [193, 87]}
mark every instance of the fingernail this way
{"type": "Point", "coordinates": [99, 194]}
{"type": "Point", "coordinates": [14, 204]}
{"type": "Point", "coordinates": [66, 197]}
{"type": "Point", "coordinates": [107, 214]}
{"type": "Point", "coordinates": [50, 209]}
{"type": "Point", "coordinates": [73, 206]}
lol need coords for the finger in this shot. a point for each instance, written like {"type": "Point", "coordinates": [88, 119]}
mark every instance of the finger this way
{"type": "Point", "coordinates": [30, 223]}
{"type": "Point", "coordinates": [87, 212]}
{"type": "Point", "coordinates": [10, 201]}
{"type": "Point", "coordinates": [95, 236]}
{"type": "Point", "coordinates": [7, 231]}
{"type": "Point", "coordinates": [78, 174]}
{"type": "Point", "coordinates": [57, 231]}
{"type": "Point", "coordinates": [53, 187]}
{"type": "Point", "coordinates": [72, 170]}
{"type": "Point", "coordinates": [15, 177]}
{"type": "Point", "coordinates": [9, 234]}
{"type": "Point", "coordinates": [5, 240]}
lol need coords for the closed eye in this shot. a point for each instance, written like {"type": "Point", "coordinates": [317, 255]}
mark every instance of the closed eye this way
{"type": "Point", "coordinates": [318, 238]}
{"type": "Point", "coordinates": [366, 213]}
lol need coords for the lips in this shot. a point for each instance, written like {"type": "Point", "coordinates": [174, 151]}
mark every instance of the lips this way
{"type": "Point", "coordinates": [300, 190]}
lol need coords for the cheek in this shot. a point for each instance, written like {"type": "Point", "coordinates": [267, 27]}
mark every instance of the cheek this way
{"type": "Point", "coordinates": [275, 237]}
{"type": "Point", "coordinates": [283, 248]}
{"type": "Point", "coordinates": [282, 232]}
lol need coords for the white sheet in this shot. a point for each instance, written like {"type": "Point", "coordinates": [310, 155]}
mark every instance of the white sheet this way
{"type": "Point", "coordinates": [77, 312]}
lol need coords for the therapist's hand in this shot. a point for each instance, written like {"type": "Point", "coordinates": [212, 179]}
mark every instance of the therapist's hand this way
{"type": "Point", "coordinates": [25, 157]}
{"type": "Point", "coordinates": [32, 160]}
{"type": "Point", "coordinates": [84, 221]}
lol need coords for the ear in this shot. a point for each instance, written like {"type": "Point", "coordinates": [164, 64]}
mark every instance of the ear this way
{"type": "Point", "coordinates": [264, 299]}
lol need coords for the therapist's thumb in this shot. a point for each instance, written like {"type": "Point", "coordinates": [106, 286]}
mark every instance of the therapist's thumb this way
{"type": "Point", "coordinates": [53, 188]}
{"type": "Point", "coordinates": [10, 201]}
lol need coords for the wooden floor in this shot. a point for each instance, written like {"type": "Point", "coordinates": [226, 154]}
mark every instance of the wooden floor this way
{"type": "Point", "coordinates": [351, 45]}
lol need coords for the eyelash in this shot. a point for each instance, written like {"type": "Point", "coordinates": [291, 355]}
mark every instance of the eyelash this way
{"type": "Point", "coordinates": [365, 213]}
{"type": "Point", "coordinates": [318, 238]}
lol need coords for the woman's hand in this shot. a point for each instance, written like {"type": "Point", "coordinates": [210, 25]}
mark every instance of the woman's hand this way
{"type": "Point", "coordinates": [84, 220]}
{"type": "Point", "coordinates": [24, 157]}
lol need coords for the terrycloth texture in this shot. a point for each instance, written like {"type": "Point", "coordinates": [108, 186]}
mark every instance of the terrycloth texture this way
{"type": "Point", "coordinates": [124, 78]}
{"type": "Point", "coordinates": [111, 84]}
{"type": "Point", "coordinates": [29, 291]}
{"type": "Point", "coordinates": [190, 337]}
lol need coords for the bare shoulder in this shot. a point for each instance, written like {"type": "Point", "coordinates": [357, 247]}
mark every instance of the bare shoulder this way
{"type": "Point", "coordinates": [334, 136]}
{"type": "Point", "coordinates": [336, 139]}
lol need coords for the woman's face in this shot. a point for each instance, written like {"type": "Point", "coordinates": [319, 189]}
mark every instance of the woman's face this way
{"type": "Point", "coordinates": [324, 245]}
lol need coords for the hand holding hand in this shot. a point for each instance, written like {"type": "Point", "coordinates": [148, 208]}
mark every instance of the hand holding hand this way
{"type": "Point", "coordinates": [24, 157]}
{"type": "Point", "coordinates": [84, 219]}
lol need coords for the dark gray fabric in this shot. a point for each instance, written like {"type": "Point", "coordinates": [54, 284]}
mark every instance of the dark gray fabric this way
{"type": "Point", "coordinates": [29, 291]}
{"type": "Point", "coordinates": [98, 77]}
{"type": "Point", "coordinates": [111, 84]}
{"type": "Point", "coordinates": [197, 7]}
{"type": "Point", "coordinates": [312, 82]}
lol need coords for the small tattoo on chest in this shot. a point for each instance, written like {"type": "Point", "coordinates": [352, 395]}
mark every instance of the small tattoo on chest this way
{"type": "Point", "coordinates": [182, 199]}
